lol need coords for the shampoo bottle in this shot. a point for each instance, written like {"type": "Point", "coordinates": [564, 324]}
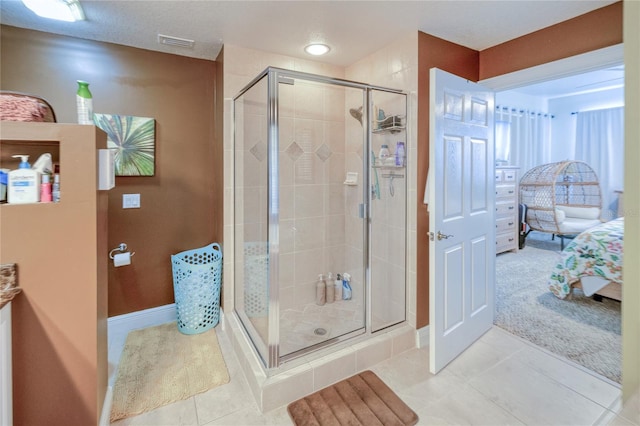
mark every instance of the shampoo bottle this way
{"type": "Point", "coordinates": [320, 291]}
{"type": "Point", "coordinates": [23, 183]}
{"type": "Point", "coordinates": [338, 288]}
{"type": "Point", "coordinates": [330, 289]}
{"type": "Point", "coordinates": [84, 103]}
{"type": "Point", "coordinates": [400, 154]}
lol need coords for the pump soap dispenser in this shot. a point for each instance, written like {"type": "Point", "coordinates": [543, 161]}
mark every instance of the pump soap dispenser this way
{"type": "Point", "coordinates": [23, 183]}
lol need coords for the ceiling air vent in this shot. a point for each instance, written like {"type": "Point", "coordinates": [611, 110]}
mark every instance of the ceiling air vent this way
{"type": "Point", "coordinates": [175, 41]}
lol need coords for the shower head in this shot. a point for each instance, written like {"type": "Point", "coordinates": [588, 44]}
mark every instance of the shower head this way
{"type": "Point", "coordinates": [356, 113]}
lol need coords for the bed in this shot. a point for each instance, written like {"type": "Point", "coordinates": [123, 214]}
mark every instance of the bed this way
{"type": "Point", "coordinates": [592, 262]}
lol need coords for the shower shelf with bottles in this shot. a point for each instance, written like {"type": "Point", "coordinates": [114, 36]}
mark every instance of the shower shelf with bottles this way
{"type": "Point", "coordinates": [389, 125]}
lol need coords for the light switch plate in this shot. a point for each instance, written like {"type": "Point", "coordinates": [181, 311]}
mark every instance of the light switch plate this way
{"type": "Point", "coordinates": [130, 201]}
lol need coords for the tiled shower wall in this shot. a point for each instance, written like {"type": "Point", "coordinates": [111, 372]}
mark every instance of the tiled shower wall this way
{"type": "Point", "coordinates": [312, 199]}
{"type": "Point", "coordinates": [240, 66]}
{"type": "Point", "coordinates": [396, 66]}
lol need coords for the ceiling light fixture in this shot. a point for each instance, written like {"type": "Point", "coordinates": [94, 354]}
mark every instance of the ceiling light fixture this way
{"type": "Point", "coordinates": [61, 10]}
{"type": "Point", "coordinates": [317, 49]}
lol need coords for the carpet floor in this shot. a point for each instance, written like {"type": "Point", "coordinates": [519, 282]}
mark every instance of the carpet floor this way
{"type": "Point", "coordinates": [159, 365]}
{"type": "Point", "coordinates": [580, 329]}
{"type": "Point", "coordinates": [362, 399]}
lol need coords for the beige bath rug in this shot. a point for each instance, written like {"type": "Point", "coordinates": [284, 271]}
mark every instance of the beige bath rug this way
{"type": "Point", "coordinates": [362, 399]}
{"type": "Point", "coordinates": [159, 365]}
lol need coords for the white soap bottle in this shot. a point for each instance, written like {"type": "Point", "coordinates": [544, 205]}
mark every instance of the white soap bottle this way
{"type": "Point", "coordinates": [338, 288]}
{"type": "Point", "coordinates": [23, 184]}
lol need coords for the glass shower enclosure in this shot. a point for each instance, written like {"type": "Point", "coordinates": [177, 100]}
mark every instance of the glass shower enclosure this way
{"type": "Point", "coordinates": [314, 200]}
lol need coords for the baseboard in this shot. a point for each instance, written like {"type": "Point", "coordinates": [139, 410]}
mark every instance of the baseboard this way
{"type": "Point", "coordinates": [422, 337]}
{"type": "Point", "coordinates": [142, 319]}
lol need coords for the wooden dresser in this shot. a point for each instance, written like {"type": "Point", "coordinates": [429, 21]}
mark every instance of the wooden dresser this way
{"type": "Point", "coordinates": [506, 209]}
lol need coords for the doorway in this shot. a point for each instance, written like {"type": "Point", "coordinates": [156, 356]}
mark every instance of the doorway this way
{"type": "Point", "coordinates": [554, 81]}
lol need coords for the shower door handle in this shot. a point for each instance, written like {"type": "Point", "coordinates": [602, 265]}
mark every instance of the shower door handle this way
{"type": "Point", "coordinates": [362, 211]}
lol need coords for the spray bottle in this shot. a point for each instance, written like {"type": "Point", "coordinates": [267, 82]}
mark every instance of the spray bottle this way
{"type": "Point", "coordinates": [346, 287]}
{"type": "Point", "coordinates": [84, 103]}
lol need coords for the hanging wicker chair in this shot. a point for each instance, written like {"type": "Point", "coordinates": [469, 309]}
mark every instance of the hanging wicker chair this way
{"type": "Point", "coordinates": [561, 198]}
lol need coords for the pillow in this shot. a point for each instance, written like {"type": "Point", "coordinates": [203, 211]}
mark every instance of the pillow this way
{"type": "Point", "coordinates": [560, 216]}
{"type": "Point", "coordinates": [581, 212]}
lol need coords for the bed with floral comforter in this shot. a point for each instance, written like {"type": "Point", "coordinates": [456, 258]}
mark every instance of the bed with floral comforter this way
{"type": "Point", "coordinates": [597, 252]}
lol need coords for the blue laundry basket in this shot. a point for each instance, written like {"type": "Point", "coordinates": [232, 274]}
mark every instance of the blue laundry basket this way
{"type": "Point", "coordinates": [196, 287]}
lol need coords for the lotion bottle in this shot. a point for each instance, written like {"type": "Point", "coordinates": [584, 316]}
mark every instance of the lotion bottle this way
{"type": "Point", "coordinates": [23, 183]}
{"type": "Point", "coordinates": [320, 291]}
{"type": "Point", "coordinates": [330, 289]}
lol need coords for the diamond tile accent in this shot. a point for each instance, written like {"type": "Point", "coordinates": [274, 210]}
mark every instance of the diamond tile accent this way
{"type": "Point", "coordinates": [259, 150]}
{"type": "Point", "coordinates": [323, 152]}
{"type": "Point", "coordinates": [294, 151]}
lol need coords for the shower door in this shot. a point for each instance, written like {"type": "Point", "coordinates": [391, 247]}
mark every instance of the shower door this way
{"type": "Point", "coordinates": [301, 191]}
{"type": "Point", "coordinates": [388, 208]}
{"type": "Point", "coordinates": [322, 186]}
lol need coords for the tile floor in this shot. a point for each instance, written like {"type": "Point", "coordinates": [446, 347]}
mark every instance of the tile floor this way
{"type": "Point", "coordinates": [499, 380]}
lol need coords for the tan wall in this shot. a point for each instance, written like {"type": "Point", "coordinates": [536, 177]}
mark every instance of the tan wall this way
{"type": "Point", "coordinates": [182, 203]}
{"type": "Point", "coordinates": [59, 321]}
{"type": "Point", "coordinates": [594, 30]}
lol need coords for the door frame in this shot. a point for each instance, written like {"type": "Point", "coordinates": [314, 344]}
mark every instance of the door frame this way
{"type": "Point", "coordinates": [578, 64]}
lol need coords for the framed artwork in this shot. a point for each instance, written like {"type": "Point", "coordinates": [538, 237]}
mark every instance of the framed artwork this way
{"type": "Point", "coordinates": [133, 140]}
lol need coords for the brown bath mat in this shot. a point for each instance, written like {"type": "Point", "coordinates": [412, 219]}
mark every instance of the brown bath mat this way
{"type": "Point", "coordinates": [362, 399]}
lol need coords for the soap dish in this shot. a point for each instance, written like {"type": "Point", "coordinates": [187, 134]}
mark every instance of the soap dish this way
{"type": "Point", "coordinates": [352, 178]}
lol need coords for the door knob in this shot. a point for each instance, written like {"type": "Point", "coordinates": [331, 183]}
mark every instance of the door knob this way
{"type": "Point", "coordinates": [442, 236]}
{"type": "Point", "coordinates": [439, 236]}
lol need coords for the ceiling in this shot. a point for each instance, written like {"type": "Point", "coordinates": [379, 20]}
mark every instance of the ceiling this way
{"type": "Point", "coordinates": [592, 81]}
{"type": "Point", "coordinates": [353, 29]}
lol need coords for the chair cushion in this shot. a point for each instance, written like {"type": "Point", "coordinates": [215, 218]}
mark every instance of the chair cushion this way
{"type": "Point", "coordinates": [580, 212]}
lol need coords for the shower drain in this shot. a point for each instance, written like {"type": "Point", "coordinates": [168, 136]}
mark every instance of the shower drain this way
{"type": "Point", "coordinates": [320, 331]}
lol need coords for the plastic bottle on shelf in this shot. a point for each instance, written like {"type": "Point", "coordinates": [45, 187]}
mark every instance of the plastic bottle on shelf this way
{"type": "Point", "coordinates": [383, 154]}
{"type": "Point", "coordinates": [400, 154]}
{"type": "Point", "coordinates": [346, 287]}
{"type": "Point", "coordinates": [84, 103]}
{"type": "Point", "coordinates": [320, 291]}
{"type": "Point", "coordinates": [330, 288]}
{"type": "Point", "coordinates": [45, 189]}
{"type": "Point", "coordinates": [338, 288]}
{"type": "Point", "coordinates": [23, 184]}
{"type": "Point", "coordinates": [55, 189]}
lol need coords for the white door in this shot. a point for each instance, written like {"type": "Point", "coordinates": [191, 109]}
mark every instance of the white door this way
{"type": "Point", "coordinates": [462, 216]}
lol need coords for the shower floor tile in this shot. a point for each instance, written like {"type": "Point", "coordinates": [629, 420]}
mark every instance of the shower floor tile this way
{"type": "Point", "coordinates": [300, 326]}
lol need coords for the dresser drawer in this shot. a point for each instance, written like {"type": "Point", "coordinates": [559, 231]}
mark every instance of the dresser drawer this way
{"type": "Point", "coordinates": [509, 175]}
{"type": "Point", "coordinates": [506, 242]}
{"type": "Point", "coordinates": [505, 191]}
{"type": "Point", "coordinates": [504, 208]}
{"type": "Point", "coordinates": [506, 224]}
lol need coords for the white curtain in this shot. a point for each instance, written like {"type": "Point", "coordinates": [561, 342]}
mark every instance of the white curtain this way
{"type": "Point", "coordinates": [523, 137]}
{"type": "Point", "coordinates": [600, 143]}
